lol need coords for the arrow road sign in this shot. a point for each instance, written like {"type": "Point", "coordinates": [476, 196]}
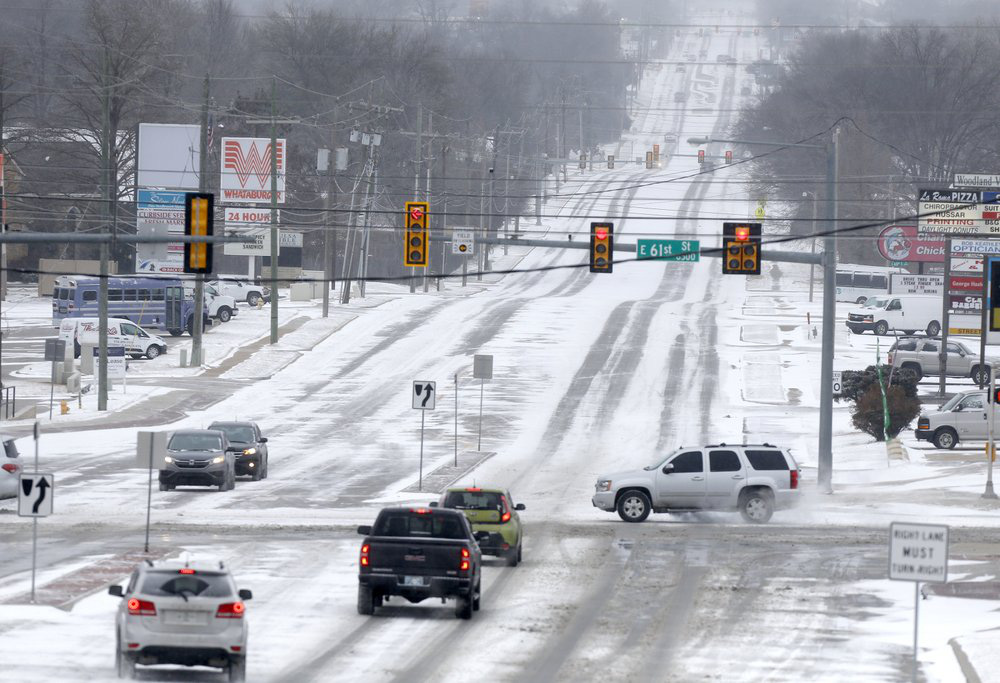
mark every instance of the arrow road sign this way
{"type": "Point", "coordinates": [424, 395]}
{"type": "Point", "coordinates": [34, 495]}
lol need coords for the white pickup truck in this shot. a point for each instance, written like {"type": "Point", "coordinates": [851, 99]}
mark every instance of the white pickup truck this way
{"type": "Point", "coordinates": [220, 306]}
{"type": "Point", "coordinates": [241, 289]}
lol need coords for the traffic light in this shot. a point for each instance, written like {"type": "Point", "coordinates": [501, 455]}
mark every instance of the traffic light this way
{"type": "Point", "coordinates": [602, 247]}
{"type": "Point", "coordinates": [729, 156]}
{"type": "Point", "coordinates": [415, 250]}
{"type": "Point", "coordinates": [741, 248]}
{"type": "Point", "coordinates": [701, 156]}
{"type": "Point", "coordinates": [199, 221]}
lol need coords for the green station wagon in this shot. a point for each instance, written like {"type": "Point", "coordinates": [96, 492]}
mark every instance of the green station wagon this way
{"type": "Point", "coordinates": [494, 519]}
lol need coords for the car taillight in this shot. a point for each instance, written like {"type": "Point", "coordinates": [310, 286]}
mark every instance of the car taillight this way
{"type": "Point", "coordinates": [141, 608]}
{"type": "Point", "coordinates": [10, 467]}
{"type": "Point", "coordinates": [795, 479]}
{"type": "Point", "coordinates": [230, 610]}
{"type": "Point", "coordinates": [505, 517]}
{"type": "Point", "coordinates": [364, 555]}
{"type": "Point", "coordinates": [463, 566]}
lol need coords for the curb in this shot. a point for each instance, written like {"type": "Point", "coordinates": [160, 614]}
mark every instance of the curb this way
{"type": "Point", "coordinates": [968, 670]}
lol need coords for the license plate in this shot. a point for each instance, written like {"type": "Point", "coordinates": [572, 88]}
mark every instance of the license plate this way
{"type": "Point", "coordinates": [179, 618]}
{"type": "Point", "coordinates": [414, 581]}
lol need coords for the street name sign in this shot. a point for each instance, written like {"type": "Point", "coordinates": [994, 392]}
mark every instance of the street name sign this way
{"type": "Point", "coordinates": [981, 180]}
{"type": "Point", "coordinates": [34, 495]}
{"type": "Point", "coordinates": [918, 552]}
{"type": "Point", "coordinates": [424, 395]}
{"type": "Point", "coordinates": [668, 250]}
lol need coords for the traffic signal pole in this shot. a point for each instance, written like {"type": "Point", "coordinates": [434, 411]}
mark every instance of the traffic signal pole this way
{"type": "Point", "coordinates": [197, 323]}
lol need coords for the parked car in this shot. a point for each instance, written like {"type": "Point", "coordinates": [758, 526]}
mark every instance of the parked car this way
{"type": "Point", "coordinates": [489, 510]}
{"type": "Point", "coordinates": [199, 457]}
{"type": "Point", "coordinates": [186, 613]}
{"type": "Point", "coordinates": [419, 553]}
{"type": "Point", "coordinates": [754, 479]}
{"type": "Point", "coordinates": [922, 356]}
{"type": "Point", "coordinates": [136, 341]}
{"type": "Point", "coordinates": [10, 467]}
{"type": "Point", "coordinates": [241, 289]}
{"type": "Point", "coordinates": [962, 418]}
{"type": "Point", "coordinates": [248, 444]}
{"type": "Point", "coordinates": [220, 306]}
{"type": "Point", "coordinates": [906, 313]}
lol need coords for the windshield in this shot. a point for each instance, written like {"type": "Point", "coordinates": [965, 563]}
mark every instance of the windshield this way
{"type": "Point", "coordinates": [474, 500]}
{"type": "Point", "coordinates": [205, 585]}
{"type": "Point", "coordinates": [659, 462]}
{"type": "Point", "coordinates": [195, 442]}
{"type": "Point", "coordinates": [951, 403]}
{"type": "Point", "coordinates": [236, 433]}
{"type": "Point", "coordinates": [413, 524]}
{"type": "Point", "coordinates": [876, 302]}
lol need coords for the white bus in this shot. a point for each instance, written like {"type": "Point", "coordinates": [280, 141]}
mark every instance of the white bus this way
{"type": "Point", "coordinates": [857, 283]}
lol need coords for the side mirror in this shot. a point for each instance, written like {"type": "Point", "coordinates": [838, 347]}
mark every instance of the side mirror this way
{"type": "Point", "coordinates": [669, 468]}
{"type": "Point", "coordinates": [957, 409]}
{"type": "Point", "coordinates": [116, 591]}
{"type": "Point", "coordinates": [519, 506]}
{"type": "Point", "coordinates": [245, 594]}
{"type": "Point", "coordinates": [364, 530]}
{"type": "Point", "coordinates": [434, 504]}
{"type": "Point", "coordinates": [263, 439]}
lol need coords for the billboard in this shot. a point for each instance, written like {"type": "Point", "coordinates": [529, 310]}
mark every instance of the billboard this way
{"type": "Point", "coordinates": [246, 170]}
{"type": "Point", "coordinates": [959, 212]}
{"type": "Point", "coordinates": [160, 213]}
{"type": "Point", "coordinates": [902, 243]}
{"type": "Point", "coordinates": [169, 156]}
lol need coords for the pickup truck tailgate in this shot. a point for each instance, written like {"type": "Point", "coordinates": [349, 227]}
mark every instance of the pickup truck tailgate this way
{"type": "Point", "coordinates": [415, 557]}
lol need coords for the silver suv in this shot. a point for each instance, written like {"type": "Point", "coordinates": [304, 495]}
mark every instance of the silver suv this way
{"type": "Point", "coordinates": [181, 612]}
{"type": "Point", "coordinates": [199, 457]}
{"type": "Point", "coordinates": [922, 356]}
{"type": "Point", "coordinates": [754, 479]}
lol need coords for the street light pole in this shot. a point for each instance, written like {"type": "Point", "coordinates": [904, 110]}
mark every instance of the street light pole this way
{"type": "Point", "coordinates": [825, 451]}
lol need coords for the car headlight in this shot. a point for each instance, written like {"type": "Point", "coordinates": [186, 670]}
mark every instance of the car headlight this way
{"type": "Point", "coordinates": [249, 451]}
{"type": "Point", "coordinates": [603, 485]}
{"type": "Point", "coordinates": [217, 459]}
{"type": "Point", "coordinates": [167, 459]}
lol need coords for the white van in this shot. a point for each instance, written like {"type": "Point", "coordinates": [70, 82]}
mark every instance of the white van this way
{"type": "Point", "coordinates": [137, 341]}
{"type": "Point", "coordinates": [908, 313]}
{"type": "Point", "coordinates": [857, 283]}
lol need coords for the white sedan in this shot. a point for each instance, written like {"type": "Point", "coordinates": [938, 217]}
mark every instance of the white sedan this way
{"type": "Point", "coordinates": [10, 467]}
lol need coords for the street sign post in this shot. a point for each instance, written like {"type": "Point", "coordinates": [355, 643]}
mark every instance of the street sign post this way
{"type": "Point", "coordinates": [668, 250]}
{"type": "Point", "coordinates": [918, 552]}
{"type": "Point", "coordinates": [55, 350]}
{"type": "Point", "coordinates": [482, 369]}
{"type": "Point", "coordinates": [150, 451]}
{"type": "Point", "coordinates": [424, 395]}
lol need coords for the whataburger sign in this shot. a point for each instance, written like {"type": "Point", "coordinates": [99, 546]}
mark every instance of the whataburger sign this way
{"type": "Point", "coordinates": [246, 170]}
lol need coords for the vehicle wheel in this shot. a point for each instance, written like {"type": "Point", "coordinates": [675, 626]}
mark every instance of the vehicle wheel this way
{"type": "Point", "coordinates": [934, 329]}
{"type": "Point", "coordinates": [861, 300]}
{"type": "Point", "coordinates": [519, 554]}
{"type": "Point", "coordinates": [511, 557]}
{"type": "Point", "coordinates": [756, 506]}
{"type": "Point", "coordinates": [237, 669]}
{"type": "Point", "coordinates": [634, 506]}
{"type": "Point", "coordinates": [175, 333]}
{"type": "Point", "coordinates": [135, 356]}
{"type": "Point", "coordinates": [914, 368]}
{"type": "Point", "coordinates": [377, 598]}
{"type": "Point", "coordinates": [477, 597]}
{"type": "Point", "coordinates": [258, 472]}
{"type": "Point", "coordinates": [366, 601]}
{"type": "Point", "coordinates": [232, 479]}
{"type": "Point", "coordinates": [165, 487]}
{"type": "Point", "coordinates": [945, 437]}
{"type": "Point", "coordinates": [224, 314]}
{"type": "Point", "coordinates": [189, 327]}
{"type": "Point", "coordinates": [253, 298]}
{"type": "Point", "coordinates": [463, 607]}
{"type": "Point", "coordinates": [980, 376]}
{"type": "Point", "coordinates": [265, 467]}
{"type": "Point", "coordinates": [909, 331]}
{"type": "Point", "coordinates": [125, 664]}
{"type": "Point", "coordinates": [881, 328]}
{"type": "Point", "coordinates": [856, 330]}
{"type": "Point", "coordinates": [153, 352]}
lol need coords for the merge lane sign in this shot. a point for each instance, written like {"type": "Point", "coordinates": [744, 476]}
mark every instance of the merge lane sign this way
{"type": "Point", "coordinates": [918, 552]}
{"type": "Point", "coordinates": [668, 250]}
{"type": "Point", "coordinates": [34, 495]}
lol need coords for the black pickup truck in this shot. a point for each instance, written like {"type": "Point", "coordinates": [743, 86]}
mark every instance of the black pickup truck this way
{"type": "Point", "coordinates": [419, 553]}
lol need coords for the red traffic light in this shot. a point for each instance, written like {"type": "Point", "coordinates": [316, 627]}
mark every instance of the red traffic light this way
{"type": "Point", "coordinates": [742, 233]}
{"type": "Point", "coordinates": [701, 156]}
{"type": "Point", "coordinates": [601, 233]}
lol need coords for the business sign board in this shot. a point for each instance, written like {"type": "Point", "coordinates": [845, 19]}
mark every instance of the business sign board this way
{"type": "Point", "coordinates": [116, 361]}
{"type": "Point", "coordinates": [966, 264]}
{"type": "Point", "coordinates": [977, 180]}
{"type": "Point", "coordinates": [965, 303]}
{"type": "Point", "coordinates": [245, 222]}
{"type": "Point", "coordinates": [246, 170]}
{"type": "Point", "coordinates": [959, 212]}
{"type": "Point", "coordinates": [903, 243]}
{"type": "Point", "coordinates": [168, 156]}
{"type": "Point", "coordinates": [961, 284]}
{"type": "Point", "coordinates": [993, 294]}
{"type": "Point", "coordinates": [159, 213]}
{"type": "Point", "coordinates": [906, 283]}
{"type": "Point", "coordinates": [966, 245]}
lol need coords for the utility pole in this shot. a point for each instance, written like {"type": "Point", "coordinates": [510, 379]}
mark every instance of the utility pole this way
{"type": "Point", "coordinates": [427, 191]}
{"type": "Point", "coordinates": [444, 209]}
{"type": "Point", "coordinates": [825, 465]}
{"type": "Point", "coordinates": [199, 278]}
{"type": "Point", "coordinates": [331, 190]}
{"type": "Point", "coordinates": [274, 212]}
{"type": "Point", "coordinates": [416, 177]}
{"type": "Point", "coordinates": [370, 190]}
{"type": "Point", "coordinates": [102, 306]}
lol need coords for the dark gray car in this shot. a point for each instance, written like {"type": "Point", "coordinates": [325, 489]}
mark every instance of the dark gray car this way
{"type": "Point", "coordinates": [199, 457]}
{"type": "Point", "coordinates": [250, 446]}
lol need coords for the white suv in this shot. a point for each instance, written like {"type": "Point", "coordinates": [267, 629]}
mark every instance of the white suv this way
{"type": "Point", "coordinates": [179, 612]}
{"type": "Point", "coordinates": [754, 479]}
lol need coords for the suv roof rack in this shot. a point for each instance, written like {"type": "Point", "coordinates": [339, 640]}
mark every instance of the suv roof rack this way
{"type": "Point", "coordinates": [718, 445]}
